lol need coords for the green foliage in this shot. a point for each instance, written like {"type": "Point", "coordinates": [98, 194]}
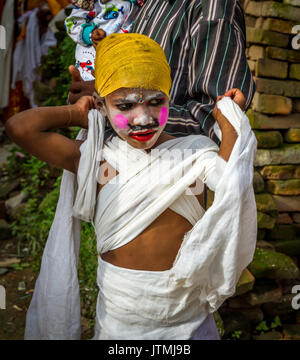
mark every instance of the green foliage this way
{"type": "Point", "coordinates": [263, 327]}
{"type": "Point", "coordinates": [55, 65]}
{"type": "Point", "coordinates": [33, 224]}
{"type": "Point", "coordinates": [87, 269]}
{"type": "Point", "coordinates": [276, 323]}
{"type": "Point", "coordinates": [236, 334]}
{"type": "Point", "coordinates": [42, 186]}
{"type": "Point", "coordinates": [20, 266]}
{"type": "Point", "coordinates": [73, 132]}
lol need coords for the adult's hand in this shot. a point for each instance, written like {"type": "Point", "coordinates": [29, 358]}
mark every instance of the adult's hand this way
{"type": "Point", "coordinates": [97, 36]}
{"type": "Point", "coordinates": [79, 87]}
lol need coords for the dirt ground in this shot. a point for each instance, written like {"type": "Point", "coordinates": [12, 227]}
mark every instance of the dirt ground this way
{"type": "Point", "coordinates": [19, 286]}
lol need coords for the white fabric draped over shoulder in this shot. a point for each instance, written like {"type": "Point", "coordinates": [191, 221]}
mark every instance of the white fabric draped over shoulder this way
{"type": "Point", "coordinates": [212, 255]}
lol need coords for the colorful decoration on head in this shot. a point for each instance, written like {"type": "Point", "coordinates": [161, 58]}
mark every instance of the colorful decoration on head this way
{"type": "Point", "coordinates": [131, 61]}
{"type": "Point", "coordinates": [141, 98]}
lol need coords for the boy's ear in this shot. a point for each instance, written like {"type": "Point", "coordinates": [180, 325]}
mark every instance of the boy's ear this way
{"type": "Point", "coordinates": [99, 103]}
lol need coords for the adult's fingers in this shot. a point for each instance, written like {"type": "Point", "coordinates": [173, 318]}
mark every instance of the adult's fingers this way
{"type": "Point", "coordinates": [74, 97]}
{"type": "Point", "coordinates": [76, 87]}
{"type": "Point", "coordinates": [74, 73]}
{"type": "Point", "coordinates": [86, 87]}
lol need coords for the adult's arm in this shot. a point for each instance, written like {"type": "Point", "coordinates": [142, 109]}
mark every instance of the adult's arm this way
{"type": "Point", "coordinates": [30, 130]}
{"type": "Point", "coordinates": [79, 87]}
{"type": "Point", "coordinates": [217, 62]}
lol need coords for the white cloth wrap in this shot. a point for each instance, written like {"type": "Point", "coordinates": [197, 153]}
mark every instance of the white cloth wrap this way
{"type": "Point", "coordinates": [88, 166]}
{"type": "Point", "coordinates": [133, 200]}
{"type": "Point", "coordinates": [222, 243]}
{"type": "Point", "coordinates": [207, 267]}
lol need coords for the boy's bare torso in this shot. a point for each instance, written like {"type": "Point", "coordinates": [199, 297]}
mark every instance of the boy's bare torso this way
{"type": "Point", "coordinates": [156, 247]}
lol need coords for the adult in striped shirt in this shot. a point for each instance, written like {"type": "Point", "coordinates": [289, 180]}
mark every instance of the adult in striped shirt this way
{"type": "Point", "coordinates": [204, 41]}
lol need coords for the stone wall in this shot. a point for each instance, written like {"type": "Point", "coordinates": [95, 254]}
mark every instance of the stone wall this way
{"type": "Point", "coordinates": [266, 291]}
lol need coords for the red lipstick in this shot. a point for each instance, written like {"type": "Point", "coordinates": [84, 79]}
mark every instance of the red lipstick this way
{"type": "Point", "coordinates": [142, 136]}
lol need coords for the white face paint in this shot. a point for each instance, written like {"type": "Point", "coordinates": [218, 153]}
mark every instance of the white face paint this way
{"type": "Point", "coordinates": [134, 114]}
{"type": "Point", "coordinates": [143, 120]}
{"type": "Point", "coordinates": [134, 97]}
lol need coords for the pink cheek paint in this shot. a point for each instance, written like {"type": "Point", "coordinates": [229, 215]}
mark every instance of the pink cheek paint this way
{"type": "Point", "coordinates": [163, 116]}
{"type": "Point", "coordinates": [121, 121]}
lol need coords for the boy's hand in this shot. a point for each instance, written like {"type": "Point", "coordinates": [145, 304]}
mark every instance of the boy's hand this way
{"type": "Point", "coordinates": [79, 87]}
{"type": "Point", "coordinates": [84, 105]}
{"type": "Point", "coordinates": [97, 36]}
{"type": "Point", "coordinates": [238, 97]}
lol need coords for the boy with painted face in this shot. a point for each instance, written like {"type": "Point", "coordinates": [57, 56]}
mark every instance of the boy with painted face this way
{"type": "Point", "coordinates": [137, 113]}
{"type": "Point", "coordinates": [92, 20]}
{"type": "Point", "coordinates": [165, 265]}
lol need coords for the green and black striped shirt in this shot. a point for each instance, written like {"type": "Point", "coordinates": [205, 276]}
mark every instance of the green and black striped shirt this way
{"type": "Point", "coordinates": [204, 41]}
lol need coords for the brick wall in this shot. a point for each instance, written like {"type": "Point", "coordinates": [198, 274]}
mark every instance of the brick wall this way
{"type": "Point", "coordinates": [266, 291]}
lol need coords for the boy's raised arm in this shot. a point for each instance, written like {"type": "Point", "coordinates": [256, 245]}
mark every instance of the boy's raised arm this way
{"type": "Point", "coordinates": [229, 134]}
{"type": "Point", "coordinates": [30, 130]}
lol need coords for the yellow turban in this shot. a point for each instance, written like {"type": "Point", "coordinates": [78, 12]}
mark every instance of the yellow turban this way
{"type": "Point", "coordinates": [131, 61]}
